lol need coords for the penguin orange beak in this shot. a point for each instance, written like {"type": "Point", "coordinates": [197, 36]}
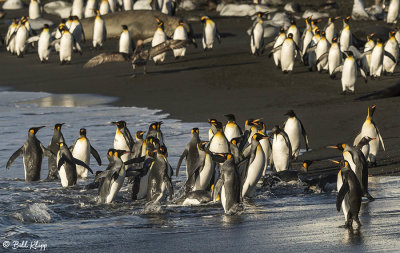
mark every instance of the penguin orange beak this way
{"type": "Point", "coordinates": [373, 107]}
{"type": "Point", "coordinates": [334, 161]}
{"type": "Point", "coordinates": [373, 139]}
{"type": "Point", "coordinates": [337, 18]}
{"type": "Point", "coordinates": [331, 147]}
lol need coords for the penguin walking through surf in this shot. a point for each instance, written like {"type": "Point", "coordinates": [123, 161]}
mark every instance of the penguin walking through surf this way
{"type": "Point", "coordinates": [155, 131]}
{"type": "Point", "coordinates": [349, 194]}
{"type": "Point", "coordinates": [99, 31]}
{"type": "Point", "coordinates": [53, 148]}
{"type": "Point", "coordinates": [266, 146]}
{"type": "Point", "coordinates": [33, 152]}
{"type": "Point", "coordinates": [349, 69]}
{"type": "Point", "coordinates": [255, 166]}
{"type": "Point", "coordinates": [34, 9]}
{"type": "Point", "coordinates": [210, 33]}
{"type": "Point", "coordinates": [257, 36]}
{"type": "Point", "coordinates": [123, 139]}
{"type": "Point", "coordinates": [231, 129]}
{"type": "Point", "coordinates": [66, 165]}
{"type": "Point", "coordinates": [180, 33]}
{"type": "Point", "coordinates": [278, 43]}
{"type": "Point", "coordinates": [345, 35]}
{"type": "Point", "coordinates": [228, 184]}
{"type": "Point", "coordinates": [77, 8]}
{"type": "Point", "coordinates": [294, 129]}
{"type": "Point", "coordinates": [141, 181]}
{"type": "Point", "coordinates": [138, 145]}
{"type": "Point", "coordinates": [126, 44]}
{"type": "Point", "coordinates": [112, 178]}
{"type": "Point", "coordinates": [391, 47]}
{"type": "Point", "coordinates": [219, 143]}
{"type": "Point", "coordinates": [82, 149]}
{"type": "Point", "coordinates": [370, 129]}
{"type": "Point", "coordinates": [281, 150]}
{"type": "Point", "coordinates": [158, 38]}
{"type": "Point", "coordinates": [393, 12]}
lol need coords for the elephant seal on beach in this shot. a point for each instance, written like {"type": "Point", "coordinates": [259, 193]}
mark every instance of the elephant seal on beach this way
{"type": "Point", "coordinates": [141, 24]}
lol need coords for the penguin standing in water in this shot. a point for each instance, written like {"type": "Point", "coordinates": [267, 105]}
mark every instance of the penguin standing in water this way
{"type": "Point", "coordinates": [158, 38]}
{"type": "Point", "coordinates": [123, 139]}
{"type": "Point", "coordinates": [255, 167]}
{"type": "Point", "coordinates": [81, 150]}
{"type": "Point", "coordinates": [32, 152]}
{"type": "Point", "coordinates": [391, 47]}
{"type": "Point", "coordinates": [393, 12]}
{"type": "Point", "coordinates": [126, 44]}
{"type": "Point", "coordinates": [159, 182]}
{"type": "Point", "coordinates": [278, 42]}
{"type": "Point", "coordinates": [141, 181]}
{"type": "Point", "coordinates": [99, 31]}
{"type": "Point", "coordinates": [257, 36]}
{"type": "Point", "coordinates": [266, 146]}
{"type": "Point", "coordinates": [192, 156]}
{"type": "Point", "coordinates": [294, 129]}
{"type": "Point", "coordinates": [281, 150]}
{"type": "Point", "coordinates": [232, 130]}
{"type": "Point", "coordinates": [370, 129]}
{"type": "Point", "coordinates": [112, 178]}
{"type": "Point", "coordinates": [53, 148]}
{"type": "Point", "coordinates": [349, 69]}
{"type": "Point", "coordinates": [210, 33]}
{"type": "Point", "coordinates": [219, 143]}
{"type": "Point", "coordinates": [66, 165]}
{"type": "Point", "coordinates": [212, 129]}
{"type": "Point", "coordinates": [137, 147]}
{"type": "Point", "coordinates": [349, 194]}
{"type": "Point", "coordinates": [228, 184]}
{"type": "Point", "coordinates": [345, 35]}
{"type": "Point", "coordinates": [155, 131]}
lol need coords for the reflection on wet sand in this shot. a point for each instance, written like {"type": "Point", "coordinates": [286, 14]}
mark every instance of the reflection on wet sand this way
{"type": "Point", "coordinates": [71, 100]}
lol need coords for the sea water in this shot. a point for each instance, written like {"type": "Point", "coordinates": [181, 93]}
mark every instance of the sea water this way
{"type": "Point", "coordinates": [45, 216]}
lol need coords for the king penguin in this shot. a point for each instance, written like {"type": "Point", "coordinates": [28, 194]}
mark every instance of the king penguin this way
{"type": "Point", "coordinates": [204, 172]}
{"type": "Point", "coordinates": [81, 150]}
{"type": "Point", "coordinates": [90, 8]}
{"type": "Point", "coordinates": [294, 128]}
{"type": "Point", "coordinates": [77, 8]}
{"type": "Point", "coordinates": [53, 147]}
{"type": "Point", "coordinates": [67, 43]}
{"type": "Point", "coordinates": [126, 44]}
{"type": "Point", "coordinates": [232, 130]}
{"type": "Point", "coordinates": [257, 36]}
{"type": "Point", "coordinates": [391, 48]}
{"type": "Point", "coordinates": [210, 33]}
{"type": "Point", "coordinates": [294, 31]}
{"type": "Point", "coordinates": [370, 129]}
{"type": "Point", "coordinates": [393, 12]}
{"type": "Point", "coordinates": [32, 152]}
{"type": "Point", "coordinates": [345, 35]}
{"type": "Point", "coordinates": [281, 150]}
{"type": "Point", "coordinates": [99, 31]}
{"type": "Point", "coordinates": [219, 143]}
{"type": "Point", "coordinates": [21, 36]}
{"type": "Point", "coordinates": [34, 9]}
{"type": "Point", "coordinates": [158, 38]}
{"type": "Point", "coordinates": [180, 33]}
{"type": "Point", "coordinates": [44, 44]}
{"type": "Point", "coordinates": [123, 139]}
{"type": "Point", "coordinates": [278, 42]}
{"type": "Point", "coordinates": [288, 54]}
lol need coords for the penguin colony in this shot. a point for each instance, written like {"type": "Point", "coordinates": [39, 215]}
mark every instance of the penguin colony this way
{"type": "Point", "coordinates": [225, 168]}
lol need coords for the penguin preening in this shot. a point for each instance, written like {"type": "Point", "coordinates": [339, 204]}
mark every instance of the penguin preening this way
{"type": "Point", "coordinates": [32, 152]}
{"type": "Point", "coordinates": [349, 194]}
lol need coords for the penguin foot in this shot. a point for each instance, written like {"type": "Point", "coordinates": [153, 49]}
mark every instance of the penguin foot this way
{"type": "Point", "coordinates": [62, 62]}
{"type": "Point", "coordinates": [285, 72]}
{"type": "Point", "coordinates": [343, 93]}
{"type": "Point", "coordinates": [369, 197]}
{"type": "Point", "coordinates": [20, 56]}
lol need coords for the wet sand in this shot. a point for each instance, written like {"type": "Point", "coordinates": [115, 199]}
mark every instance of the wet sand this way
{"type": "Point", "coordinates": [225, 80]}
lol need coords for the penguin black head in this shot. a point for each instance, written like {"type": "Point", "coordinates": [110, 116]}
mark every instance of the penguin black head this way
{"type": "Point", "coordinates": [334, 39]}
{"type": "Point", "coordinates": [180, 22]}
{"type": "Point", "coordinates": [34, 130]}
{"type": "Point", "coordinates": [218, 126]}
{"type": "Point", "coordinates": [260, 14]}
{"type": "Point", "coordinates": [195, 131]}
{"type": "Point", "coordinates": [290, 36]}
{"type": "Point", "coordinates": [323, 34]}
{"type": "Point", "coordinates": [340, 146]}
{"type": "Point", "coordinates": [163, 150]}
{"type": "Point", "coordinates": [61, 28]}
{"type": "Point", "coordinates": [160, 23]}
{"type": "Point", "coordinates": [290, 113]}
{"type": "Point", "coordinates": [75, 18]}
{"type": "Point", "coordinates": [60, 144]}
{"type": "Point", "coordinates": [124, 27]}
{"type": "Point", "coordinates": [342, 163]}
{"type": "Point", "coordinates": [45, 26]}
{"type": "Point", "coordinates": [110, 153]}
{"type": "Point", "coordinates": [292, 21]}
{"type": "Point", "coordinates": [259, 136]}
{"type": "Point", "coordinates": [153, 126]}
{"type": "Point", "coordinates": [317, 31]}
{"type": "Point", "coordinates": [236, 140]}
{"type": "Point", "coordinates": [371, 111]}
{"type": "Point", "coordinates": [202, 145]}
{"type": "Point", "coordinates": [307, 164]}
{"type": "Point", "coordinates": [118, 153]}
{"type": "Point", "coordinates": [222, 157]}
{"type": "Point", "coordinates": [230, 117]}
{"type": "Point", "coordinates": [151, 139]}
{"type": "Point", "coordinates": [378, 40]}
{"type": "Point", "coordinates": [120, 124]}
{"type": "Point", "coordinates": [365, 140]}
{"type": "Point", "coordinates": [212, 121]}
{"type": "Point", "coordinates": [347, 19]}
{"type": "Point", "coordinates": [70, 18]}
{"type": "Point", "coordinates": [257, 122]}
{"type": "Point", "coordinates": [58, 126]}
{"type": "Point", "coordinates": [308, 20]}
{"type": "Point", "coordinates": [63, 21]}
{"type": "Point", "coordinates": [249, 122]}
{"type": "Point", "coordinates": [97, 13]}
{"type": "Point", "coordinates": [260, 126]}
{"type": "Point", "coordinates": [97, 173]}
{"type": "Point", "coordinates": [159, 124]}
{"type": "Point", "coordinates": [203, 19]}
{"type": "Point", "coordinates": [281, 30]}
{"type": "Point", "coordinates": [82, 132]}
{"type": "Point", "coordinates": [276, 129]}
{"type": "Point", "coordinates": [392, 33]}
{"type": "Point", "coordinates": [139, 134]}
{"type": "Point", "coordinates": [349, 53]}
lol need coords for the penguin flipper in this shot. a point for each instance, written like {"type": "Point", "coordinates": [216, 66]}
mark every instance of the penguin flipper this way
{"type": "Point", "coordinates": [170, 189]}
{"type": "Point", "coordinates": [217, 188]}
{"type": "Point", "coordinates": [103, 174]}
{"type": "Point", "coordinates": [32, 39]}
{"type": "Point", "coordinates": [364, 54]}
{"type": "Point", "coordinates": [390, 56]}
{"type": "Point", "coordinates": [14, 156]}
{"type": "Point", "coordinates": [303, 132]}
{"type": "Point", "coordinates": [341, 194]}
{"type": "Point", "coordinates": [323, 56]}
{"type": "Point", "coordinates": [95, 154]}
{"type": "Point", "coordinates": [128, 138]}
{"type": "Point", "coordinates": [337, 69]}
{"type": "Point", "coordinates": [79, 162]}
{"type": "Point", "coordinates": [184, 155]}
{"type": "Point", "coordinates": [287, 140]}
{"type": "Point", "coordinates": [380, 137]}
{"type": "Point", "coordinates": [362, 72]}
{"type": "Point", "coordinates": [135, 160]}
{"type": "Point", "coordinates": [357, 139]}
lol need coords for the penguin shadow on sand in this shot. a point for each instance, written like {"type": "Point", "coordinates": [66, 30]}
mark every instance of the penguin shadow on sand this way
{"type": "Point", "coordinates": [203, 56]}
{"type": "Point", "coordinates": [352, 237]}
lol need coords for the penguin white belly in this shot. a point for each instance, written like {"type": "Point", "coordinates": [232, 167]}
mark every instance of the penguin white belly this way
{"type": "Point", "coordinates": [210, 32]}
{"type": "Point", "coordinates": [293, 130]}
{"type": "Point", "coordinates": [77, 8]}
{"type": "Point", "coordinates": [66, 47]}
{"type": "Point", "coordinates": [223, 198]}
{"type": "Point", "coordinates": [158, 38]}
{"type": "Point", "coordinates": [43, 47]}
{"type": "Point", "coordinates": [280, 153]}
{"type": "Point", "coordinates": [82, 152]}
{"type": "Point", "coordinates": [20, 39]}
{"type": "Point", "coordinates": [128, 5]}
{"type": "Point", "coordinates": [376, 62]}
{"type": "Point", "coordinates": [345, 203]}
{"type": "Point", "coordinates": [210, 134]}
{"type": "Point", "coordinates": [104, 8]}
{"type": "Point", "coordinates": [334, 58]}
{"type": "Point", "coordinates": [113, 5]}
{"type": "Point", "coordinates": [63, 176]}
{"type": "Point", "coordinates": [143, 186]}
{"type": "Point", "coordinates": [267, 153]}
{"type": "Point", "coordinates": [34, 10]}
{"type": "Point", "coordinates": [277, 54]}
{"type": "Point", "coordinates": [90, 9]}
{"type": "Point", "coordinates": [257, 38]}
{"type": "Point", "coordinates": [296, 34]}
{"type": "Point", "coordinates": [393, 48]}
{"type": "Point", "coordinates": [287, 56]}
{"type": "Point", "coordinates": [204, 178]}
{"type": "Point", "coordinates": [125, 43]}
{"type": "Point", "coordinates": [98, 32]}
{"type": "Point", "coordinates": [114, 188]}
{"type": "Point", "coordinates": [307, 40]}
{"type": "Point", "coordinates": [393, 11]}
{"type": "Point", "coordinates": [345, 40]}
{"type": "Point", "coordinates": [231, 131]}
{"type": "Point", "coordinates": [254, 173]}
{"type": "Point", "coordinates": [349, 75]}
{"type": "Point", "coordinates": [120, 143]}
{"type": "Point", "coordinates": [166, 7]}
{"type": "Point", "coordinates": [347, 156]}
{"type": "Point", "coordinates": [219, 144]}
{"type": "Point", "coordinates": [322, 48]}
{"type": "Point", "coordinates": [23, 161]}
{"type": "Point", "coordinates": [330, 32]}
{"type": "Point", "coordinates": [180, 34]}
